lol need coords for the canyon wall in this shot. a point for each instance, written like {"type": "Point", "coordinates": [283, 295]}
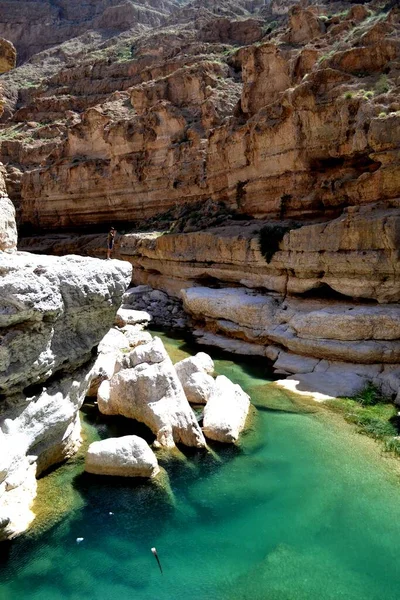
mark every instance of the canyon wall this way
{"type": "Point", "coordinates": [249, 155]}
{"type": "Point", "coordinates": [53, 313]}
{"type": "Point", "coordinates": [300, 125]}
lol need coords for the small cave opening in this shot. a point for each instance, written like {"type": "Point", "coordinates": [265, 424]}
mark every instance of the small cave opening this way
{"type": "Point", "coordinates": [208, 281]}
{"type": "Point", "coordinates": [358, 162]}
{"type": "Point", "coordinates": [325, 292]}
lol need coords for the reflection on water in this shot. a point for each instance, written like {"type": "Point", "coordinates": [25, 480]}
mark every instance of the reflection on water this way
{"type": "Point", "coordinates": [302, 509]}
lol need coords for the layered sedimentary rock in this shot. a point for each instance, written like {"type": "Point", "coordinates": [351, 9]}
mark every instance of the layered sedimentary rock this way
{"type": "Point", "coordinates": [304, 123]}
{"type": "Point", "coordinates": [295, 138]}
{"type": "Point", "coordinates": [53, 312]}
{"type": "Point", "coordinates": [35, 26]}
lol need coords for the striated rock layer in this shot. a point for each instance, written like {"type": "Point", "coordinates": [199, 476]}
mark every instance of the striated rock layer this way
{"type": "Point", "coordinates": [286, 118]}
{"type": "Point", "coordinates": [303, 122]}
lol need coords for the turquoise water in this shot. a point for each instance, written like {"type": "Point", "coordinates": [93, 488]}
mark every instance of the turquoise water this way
{"type": "Point", "coordinates": [303, 509]}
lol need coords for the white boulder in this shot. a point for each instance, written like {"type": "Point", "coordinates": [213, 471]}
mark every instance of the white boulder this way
{"type": "Point", "coordinates": [128, 456]}
{"type": "Point", "coordinates": [112, 352]}
{"type": "Point", "coordinates": [200, 363]}
{"type": "Point", "coordinates": [152, 393]}
{"type": "Point", "coordinates": [226, 411]}
{"type": "Point", "coordinates": [198, 388]}
{"type": "Point", "coordinates": [127, 316]}
{"type": "Point", "coordinates": [194, 373]}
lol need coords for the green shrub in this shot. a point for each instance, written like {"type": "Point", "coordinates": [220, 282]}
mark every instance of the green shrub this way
{"type": "Point", "coordinates": [348, 95]}
{"type": "Point", "coordinates": [382, 85]}
{"type": "Point", "coordinates": [368, 95]}
{"type": "Point", "coordinates": [270, 236]}
{"type": "Point", "coordinates": [392, 445]}
{"type": "Point", "coordinates": [382, 115]}
{"type": "Point", "coordinates": [370, 396]}
{"type": "Point", "coordinates": [372, 426]}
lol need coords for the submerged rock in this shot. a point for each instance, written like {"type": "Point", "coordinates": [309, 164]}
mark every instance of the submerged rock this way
{"type": "Point", "coordinates": [226, 411]}
{"type": "Point", "coordinates": [128, 456]}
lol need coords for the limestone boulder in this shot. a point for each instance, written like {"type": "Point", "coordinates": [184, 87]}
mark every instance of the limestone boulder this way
{"type": "Point", "coordinates": [194, 373]}
{"type": "Point", "coordinates": [198, 388]}
{"type": "Point", "coordinates": [53, 311]}
{"type": "Point", "coordinates": [128, 456]}
{"type": "Point", "coordinates": [112, 352]}
{"type": "Point", "coordinates": [151, 392]}
{"type": "Point", "coordinates": [127, 316]}
{"type": "Point", "coordinates": [200, 363]}
{"type": "Point", "coordinates": [36, 432]}
{"type": "Point", "coordinates": [226, 411]}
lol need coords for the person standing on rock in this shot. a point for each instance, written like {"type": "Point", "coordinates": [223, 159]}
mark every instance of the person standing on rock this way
{"type": "Point", "coordinates": [110, 242]}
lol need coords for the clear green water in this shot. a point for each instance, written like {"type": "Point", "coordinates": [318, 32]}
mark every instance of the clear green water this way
{"type": "Point", "coordinates": [304, 509]}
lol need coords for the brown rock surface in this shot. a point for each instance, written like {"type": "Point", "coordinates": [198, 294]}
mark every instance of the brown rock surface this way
{"type": "Point", "coordinates": [8, 56]}
{"type": "Point", "coordinates": [297, 130]}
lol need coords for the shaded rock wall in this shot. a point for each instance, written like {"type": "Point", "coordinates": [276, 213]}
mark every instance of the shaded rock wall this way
{"type": "Point", "coordinates": [35, 25]}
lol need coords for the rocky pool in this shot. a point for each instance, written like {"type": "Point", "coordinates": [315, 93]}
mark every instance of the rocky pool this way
{"type": "Point", "coordinates": [304, 509]}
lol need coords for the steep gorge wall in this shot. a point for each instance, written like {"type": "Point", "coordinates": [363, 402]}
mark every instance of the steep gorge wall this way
{"type": "Point", "coordinates": [297, 129]}
{"type": "Point", "coordinates": [36, 25]}
{"type": "Point", "coordinates": [288, 128]}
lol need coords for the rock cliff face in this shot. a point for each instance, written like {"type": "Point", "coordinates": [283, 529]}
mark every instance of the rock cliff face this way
{"type": "Point", "coordinates": [303, 122]}
{"type": "Point", "coordinates": [36, 25]}
{"type": "Point", "coordinates": [53, 312]}
{"type": "Point", "coordinates": [286, 118]}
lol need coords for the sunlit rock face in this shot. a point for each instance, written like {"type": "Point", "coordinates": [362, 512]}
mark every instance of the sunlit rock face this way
{"type": "Point", "coordinates": [8, 228]}
{"type": "Point", "coordinates": [281, 115]}
{"type": "Point", "coordinates": [300, 121]}
{"type": "Point", "coordinates": [53, 312]}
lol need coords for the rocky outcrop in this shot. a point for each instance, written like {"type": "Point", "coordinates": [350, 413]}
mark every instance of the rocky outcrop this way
{"type": "Point", "coordinates": [127, 456]}
{"type": "Point", "coordinates": [54, 311]}
{"type": "Point", "coordinates": [291, 127]}
{"type": "Point", "coordinates": [8, 228]}
{"type": "Point", "coordinates": [112, 351]}
{"type": "Point", "coordinates": [37, 26]}
{"type": "Point", "coordinates": [8, 56]}
{"type": "Point", "coordinates": [165, 310]}
{"type": "Point", "coordinates": [150, 391]}
{"type": "Point", "coordinates": [226, 411]}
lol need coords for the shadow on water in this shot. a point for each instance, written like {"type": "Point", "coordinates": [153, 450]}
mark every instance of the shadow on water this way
{"type": "Point", "coordinates": [114, 426]}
